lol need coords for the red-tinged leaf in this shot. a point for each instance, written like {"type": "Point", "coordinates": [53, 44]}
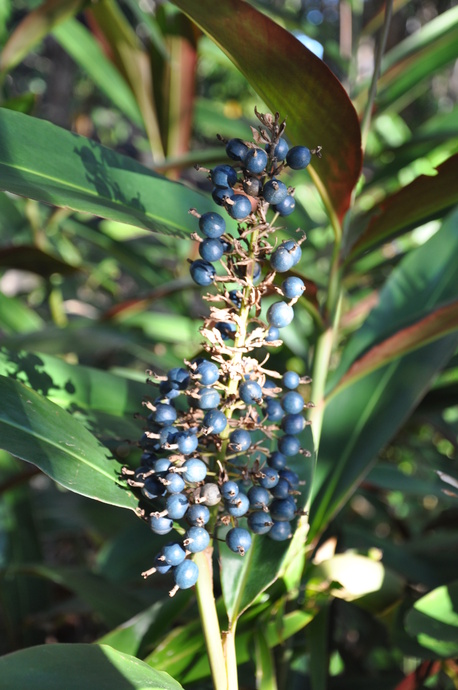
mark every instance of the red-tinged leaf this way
{"type": "Point", "coordinates": [296, 83]}
{"type": "Point", "coordinates": [426, 197]}
{"type": "Point", "coordinates": [34, 28]}
{"type": "Point", "coordinates": [107, 20]}
{"type": "Point", "coordinates": [435, 325]}
{"type": "Point", "coordinates": [425, 670]}
{"type": "Point", "coordinates": [30, 258]}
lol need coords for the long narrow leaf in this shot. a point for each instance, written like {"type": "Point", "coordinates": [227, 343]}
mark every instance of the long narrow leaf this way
{"type": "Point", "coordinates": [93, 179]}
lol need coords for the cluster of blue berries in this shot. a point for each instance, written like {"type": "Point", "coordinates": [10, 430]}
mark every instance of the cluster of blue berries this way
{"type": "Point", "coordinates": [222, 429]}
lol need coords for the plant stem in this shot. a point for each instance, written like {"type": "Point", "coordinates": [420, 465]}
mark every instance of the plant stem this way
{"type": "Point", "coordinates": [231, 658]}
{"type": "Point", "coordinates": [209, 619]}
{"type": "Point", "coordinates": [366, 121]}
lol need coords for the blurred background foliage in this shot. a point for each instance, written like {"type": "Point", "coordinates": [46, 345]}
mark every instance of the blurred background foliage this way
{"type": "Point", "coordinates": [138, 77]}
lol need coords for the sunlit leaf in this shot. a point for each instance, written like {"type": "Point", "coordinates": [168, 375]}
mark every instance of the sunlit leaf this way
{"type": "Point", "coordinates": [293, 81]}
{"type": "Point", "coordinates": [433, 620]}
{"type": "Point", "coordinates": [73, 666]}
{"type": "Point", "coordinates": [94, 179]}
{"type": "Point", "coordinates": [34, 429]}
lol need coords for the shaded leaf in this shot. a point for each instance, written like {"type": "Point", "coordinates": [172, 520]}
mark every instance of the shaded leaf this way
{"type": "Point", "coordinates": [433, 620]}
{"type": "Point", "coordinates": [36, 430]}
{"type": "Point", "coordinates": [73, 666]}
{"type": "Point", "coordinates": [33, 28]}
{"type": "Point", "coordinates": [427, 197]}
{"type": "Point", "coordinates": [94, 179]}
{"type": "Point", "coordinates": [293, 81]}
{"type": "Point", "coordinates": [31, 258]}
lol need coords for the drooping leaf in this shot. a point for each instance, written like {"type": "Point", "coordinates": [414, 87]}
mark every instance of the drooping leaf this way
{"type": "Point", "coordinates": [294, 82]}
{"type": "Point", "coordinates": [84, 49]}
{"type": "Point", "coordinates": [362, 417]}
{"type": "Point", "coordinates": [34, 429]}
{"type": "Point", "coordinates": [433, 620]}
{"type": "Point", "coordinates": [93, 179]}
{"type": "Point", "coordinates": [34, 28]}
{"type": "Point", "coordinates": [427, 197]}
{"type": "Point", "coordinates": [74, 666]}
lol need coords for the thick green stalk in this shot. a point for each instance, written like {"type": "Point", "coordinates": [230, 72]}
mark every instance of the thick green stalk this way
{"type": "Point", "coordinates": [231, 658]}
{"type": "Point", "coordinates": [209, 619]}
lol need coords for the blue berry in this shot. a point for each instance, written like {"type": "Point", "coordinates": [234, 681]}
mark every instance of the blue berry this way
{"type": "Point", "coordinates": [293, 424]}
{"type": "Point", "coordinates": [219, 194]}
{"type": "Point", "coordinates": [280, 150]}
{"type": "Point", "coordinates": [195, 470]}
{"type": "Point", "coordinates": [198, 514]}
{"type": "Point", "coordinates": [250, 392]}
{"type": "Point", "coordinates": [236, 298]}
{"type": "Point", "coordinates": [238, 540]}
{"type": "Point", "coordinates": [160, 566]}
{"type": "Point", "coordinates": [270, 477]}
{"type": "Point", "coordinates": [207, 398]}
{"type": "Point", "coordinates": [236, 149]}
{"type": "Point", "coordinates": [280, 314]}
{"type": "Point", "coordinates": [214, 421]}
{"type": "Point", "coordinates": [259, 522]}
{"type": "Point", "coordinates": [168, 390]}
{"type": "Point", "coordinates": [229, 490]}
{"type": "Point", "coordinates": [196, 539]}
{"type": "Point", "coordinates": [282, 489]}
{"type": "Point", "coordinates": [273, 410]}
{"type": "Point", "coordinates": [292, 402]}
{"type": "Point", "coordinates": [274, 191]}
{"type": "Point", "coordinates": [283, 509]}
{"type": "Point", "coordinates": [187, 442]}
{"type": "Point", "coordinates": [240, 208]}
{"type": "Point", "coordinates": [238, 506]}
{"type": "Point", "coordinates": [223, 176]}
{"type": "Point", "coordinates": [298, 157]}
{"type": "Point", "coordinates": [285, 207]}
{"type": "Point", "coordinates": [277, 460]}
{"type": "Point", "coordinates": [212, 224]}
{"type": "Point", "coordinates": [281, 259]}
{"type": "Point", "coordinates": [176, 506]}
{"type": "Point", "coordinates": [153, 488]}
{"type": "Point", "coordinates": [239, 440]}
{"type": "Point", "coordinates": [295, 250]}
{"type": "Point", "coordinates": [289, 445]}
{"type": "Point", "coordinates": [164, 413]}
{"type": "Point", "coordinates": [185, 575]}
{"type": "Point", "coordinates": [175, 483]}
{"type": "Point", "coordinates": [202, 272]}
{"type": "Point", "coordinates": [255, 161]}
{"type": "Point", "coordinates": [207, 372]}
{"type": "Point", "coordinates": [160, 525]}
{"type": "Point", "coordinates": [227, 329]}
{"type": "Point", "coordinates": [259, 497]}
{"type": "Point", "coordinates": [292, 287]}
{"type": "Point", "coordinates": [290, 379]}
{"type": "Point", "coordinates": [178, 378]}
{"type": "Point", "coordinates": [291, 477]}
{"type": "Point", "coordinates": [280, 531]}
{"type": "Point", "coordinates": [173, 553]}
{"type": "Point", "coordinates": [161, 464]}
{"type": "Point", "coordinates": [211, 249]}
{"type": "Point", "coordinates": [272, 334]}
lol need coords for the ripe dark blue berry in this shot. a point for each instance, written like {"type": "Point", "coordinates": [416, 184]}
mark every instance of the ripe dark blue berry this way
{"type": "Point", "coordinates": [255, 161]}
{"type": "Point", "coordinates": [273, 409]}
{"type": "Point", "coordinates": [259, 522]}
{"type": "Point", "coordinates": [280, 531]}
{"type": "Point", "coordinates": [206, 372]}
{"type": "Point", "coordinates": [291, 379]}
{"type": "Point", "coordinates": [173, 553]}
{"type": "Point", "coordinates": [161, 525]}
{"type": "Point", "coordinates": [212, 224]}
{"type": "Point", "coordinates": [292, 402]}
{"type": "Point", "coordinates": [174, 483]}
{"type": "Point", "coordinates": [274, 191]}
{"type": "Point", "coordinates": [280, 150]}
{"type": "Point", "coordinates": [236, 149]}
{"type": "Point", "coordinates": [239, 506]}
{"type": "Point", "coordinates": [277, 460]}
{"type": "Point", "coordinates": [269, 477]}
{"type": "Point", "coordinates": [207, 398]}
{"type": "Point", "coordinates": [293, 423]}
{"type": "Point", "coordinates": [259, 497]}
{"type": "Point", "coordinates": [292, 287]}
{"type": "Point", "coordinates": [211, 249]}
{"type": "Point", "coordinates": [223, 176]}
{"type": "Point", "coordinates": [250, 392]}
{"type": "Point", "coordinates": [196, 539]}
{"type": "Point", "coordinates": [187, 442]}
{"type": "Point", "coordinates": [283, 509]}
{"type": "Point", "coordinates": [285, 207]}
{"type": "Point", "coordinates": [202, 272]}
{"type": "Point", "coordinates": [214, 421]}
{"type": "Point", "coordinates": [289, 445]}
{"type": "Point", "coordinates": [240, 208]}
{"type": "Point", "coordinates": [176, 506]}
{"type": "Point", "coordinates": [227, 329]}
{"type": "Point", "coordinates": [186, 574]}
{"type": "Point", "coordinates": [281, 260]}
{"type": "Point", "coordinates": [199, 515]}
{"type": "Point", "coordinates": [229, 490]}
{"type": "Point", "coordinates": [280, 314]}
{"type": "Point", "coordinates": [295, 250]}
{"type": "Point", "coordinates": [272, 334]}
{"type": "Point", "coordinates": [298, 157]}
{"type": "Point", "coordinates": [195, 470]}
{"type": "Point", "coordinates": [238, 540]}
{"type": "Point", "coordinates": [239, 440]}
{"type": "Point", "coordinates": [219, 194]}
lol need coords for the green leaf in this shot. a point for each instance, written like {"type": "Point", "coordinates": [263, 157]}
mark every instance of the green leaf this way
{"type": "Point", "coordinates": [16, 317]}
{"type": "Point", "coordinates": [30, 258]}
{"type": "Point", "coordinates": [294, 82]}
{"type": "Point", "coordinates": [427, 197]}
{"type": "Point", "coordinates": [76, 666]}
{"type": "Point", "coordinates": [34, 28]}
{"type": "Point", "coordinates": [84, 49]}
{"type": "Point", "coordinates": [417, 57]}
{"type": "Point", "coordinates": [265, 664]}
{"type": "Point", "coordinates": [36, 430]}
{"type": "Point", "coordinates": [47, 163]}
{"type": "Point", "coordinates": [362, 417]}
{"type": "Point", "coordinates": [433, 620]}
